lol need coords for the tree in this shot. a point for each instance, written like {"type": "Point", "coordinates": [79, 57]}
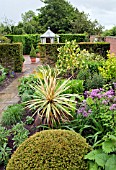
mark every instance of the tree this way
{"type": "Point", "coordinates": [28, 16]}
{"type": "Point", "coordinates": [110, 32]}
{"type": "Point", "coordinates": [58, 14]}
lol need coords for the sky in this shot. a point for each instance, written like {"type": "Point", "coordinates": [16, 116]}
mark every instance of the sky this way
{"type": "Point", "coordinates": [102, 10]}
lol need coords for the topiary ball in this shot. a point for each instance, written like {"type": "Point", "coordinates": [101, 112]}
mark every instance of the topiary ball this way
{"type": "Point", "coordinates": [51, 150]}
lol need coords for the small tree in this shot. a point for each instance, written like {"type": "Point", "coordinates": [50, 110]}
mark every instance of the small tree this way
{"type": "Point", "coordinates": [33, 52]}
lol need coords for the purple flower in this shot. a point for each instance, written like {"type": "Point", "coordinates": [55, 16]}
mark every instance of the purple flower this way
{"type": "Point", "coordinates": [113, 107]}
{"type": "Point", "coordinates": [105, 102]}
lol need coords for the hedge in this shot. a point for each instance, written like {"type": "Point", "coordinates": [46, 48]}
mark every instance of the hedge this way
{"type": "Point", "coordinates": [70, 37]}
{"type": "Point", "coordinates": [96, 47]}
{"type": "Point", "coordinates": [34, 39]}
{"type": "Point", "coordinates": [11, 56]}
{"type": "Point", "coordinates": [49, 53]}
{"type": "Point", "coordinates": [26, 40]}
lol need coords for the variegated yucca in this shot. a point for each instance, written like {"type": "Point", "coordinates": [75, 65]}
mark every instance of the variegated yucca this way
{"type": "Point", "coordinates": [49, 100]}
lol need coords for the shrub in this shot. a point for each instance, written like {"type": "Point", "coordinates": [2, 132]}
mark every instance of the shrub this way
{"type": "Point", "coordinates": [32, 52]}
{"type": "Point", "coordinates": [96, 81]}
{"type": "Point", "coordinates": [108, 70]}
{"type": "Point", "coordinates": [67, 58]}
{"type": "Point", "coordinates": [20, 134]}
{"type": "Point", "coordinates": [11, 56]}
{"type": "Point", "coordinates": [12, 115]}
{"type": "Point", "coordinates": [48, 101]}
{"type": "Point", "coordinates": [100, 48]}
{"type": "Point", "coordinates": [51, 149]}
{"type": "Point", "coordinates": [4, 39]}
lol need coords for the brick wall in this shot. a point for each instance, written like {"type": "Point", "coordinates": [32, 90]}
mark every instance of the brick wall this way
{"type": "Point", "coordinates": [112, 41]}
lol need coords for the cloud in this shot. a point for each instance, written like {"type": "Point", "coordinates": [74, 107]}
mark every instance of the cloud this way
{"type": "Point", "coordinates": [102, 10]}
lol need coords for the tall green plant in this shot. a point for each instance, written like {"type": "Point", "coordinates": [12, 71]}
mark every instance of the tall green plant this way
{"type": "Point", "coordinates": [67, 58]}
{"type": "Point", "coordinates": [48, 101]}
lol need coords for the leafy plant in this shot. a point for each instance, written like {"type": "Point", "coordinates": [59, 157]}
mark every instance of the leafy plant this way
{"type": "Point", "coordinates": [12, 115]}
{"type": "Point", "coordinates": [29, 120]}
{"type": "Point", "coordinates": [32, 52]}
{"type": "Point", "coordinates": [108, 70]}
{"type": "Point", "coordinates": [5, 153]}
{"type": "Point", "coordinates": [24, 88]}
{"type": "Point", "coordinates": [67, 58]}
{"type": "Point", "coordinates": [103, 158]}
{"type": "Point", "coordinates": [48, 101]}
{"type": "Point", "coordinates": [4, 133]}
{"type": "Point", "coordinates": [20, 134]}
{"type": "Point", "coordinates": [2, 73]}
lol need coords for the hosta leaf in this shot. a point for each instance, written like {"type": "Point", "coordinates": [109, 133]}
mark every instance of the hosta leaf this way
{"type": "Point", "coordinates": [111, 163]}
{"type": "Point", "coordinates": [108, 146]}
{"type": "Point", "coordinates": [93, 166]}
{"type": "Point", "coordinates": [91, 155]}
{"type": "Point", "coordinates": [101, 159]}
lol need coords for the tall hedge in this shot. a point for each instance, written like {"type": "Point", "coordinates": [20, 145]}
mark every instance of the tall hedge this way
{"type": "Point", "coordinates": [70, 37]}
{"type": "Point", "coordinates": [49, 53]}
{"type": "Point", "coordinates": [96, 47]}
{"type": "Point", "coordinates": [11, 56]}
{"type": "Point", "coordinates": [29, 39]}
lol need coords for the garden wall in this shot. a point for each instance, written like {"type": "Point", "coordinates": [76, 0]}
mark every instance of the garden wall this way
{"type": "Point", "coordinates": [11, 56]}
{"type": "Point", "coordinates": [112, 41]}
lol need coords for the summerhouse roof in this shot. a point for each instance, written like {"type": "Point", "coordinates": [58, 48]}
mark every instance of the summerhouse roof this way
{"type": "Point", "coordinates": [49, 34]}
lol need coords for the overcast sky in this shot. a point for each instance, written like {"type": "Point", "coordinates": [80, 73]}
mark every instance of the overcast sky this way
{"type": "Point", "coordinates": [102, 10]}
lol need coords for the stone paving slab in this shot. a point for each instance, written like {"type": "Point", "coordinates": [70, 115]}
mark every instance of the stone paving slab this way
{"type": "Point", "coordinates": [9, 95]}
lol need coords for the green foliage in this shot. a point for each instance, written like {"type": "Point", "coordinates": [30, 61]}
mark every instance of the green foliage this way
{"type": "Point", "coordinates": [4, 149]}
{"type": "Point", "coordinates": [26, 40]}
{"type": "Point", "coordinates": [20, 134]}
{"type": "Point", "coordinates": [67, 58]}
{"type": "Point", "coordinates": [4, 39]}
{"type": "Point", "coordinates": [32, 52]}
{"type": "Point", "coordinates": [4, 133]}
{"type": "Point", "coordinates": [5, 152]}
{"type": "Point", "coordinates": [49, 100]}
{"type": "Point", "coordinates": [70, 37]}
{"type": "Point", "coordinates": [108, 70]}
{"type": "Point", "coordinates": [94, 81]}
{"type": "Point", "coordinates": [104, 157]}
{"type": "Point", "coordinates": [12, 115]}
{"type": "Point", "coordinates": [100, 48]}
{"type": "Point", "coordinates": [24, 88]}
{"type": "Point", "coordinates": [2, 73]}
{"type": "Point", "coordinates": [29, 120]}
{"type": "Point", "coordinates": [62, 150]}
{"type": "Point", "coordinates": [76, 86]}
{"type": "Point", "coordinates": [11, 56]}
{"type": "Point", "coordinates": [49, 53]}
{"type": "Point", "coordinates": [110, 32]}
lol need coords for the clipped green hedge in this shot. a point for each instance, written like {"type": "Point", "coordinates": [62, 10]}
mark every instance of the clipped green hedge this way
{"type": "Point", "coordinates": [70, 37]}
{"type": "Point", "coordinates": [27, 40]}
{"type": "Point", "coordinates": [49, 53]}
{"type": "Point", "coordinates": [51, 149]}
{"type": "Point", "coordinates": [11, 56]}
{"type": "Point", "coordinates": [34, 39]}
{"type": "Point", "coordinates": [96, 47]}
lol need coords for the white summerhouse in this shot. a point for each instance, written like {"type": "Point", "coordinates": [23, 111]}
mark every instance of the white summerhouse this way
{"type": "Point", "coordinates": [49, 37]}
